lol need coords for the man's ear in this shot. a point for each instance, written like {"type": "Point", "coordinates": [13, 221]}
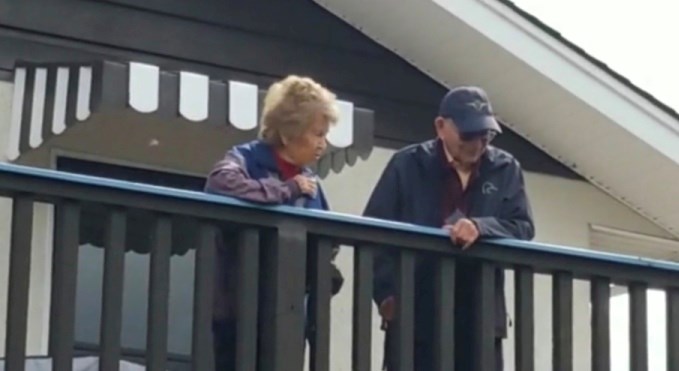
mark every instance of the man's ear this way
{"type": "Point", "coordinates": [439, 123]}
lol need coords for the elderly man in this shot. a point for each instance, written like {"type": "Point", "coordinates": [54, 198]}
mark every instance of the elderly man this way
{"type": "Point", "coordinates": [474, 191]}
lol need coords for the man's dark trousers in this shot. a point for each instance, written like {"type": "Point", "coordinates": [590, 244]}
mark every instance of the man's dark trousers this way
{"type": "Point", "coordinates": [424, 352]}
{"type": "Point", "coordinates": [466, 320]}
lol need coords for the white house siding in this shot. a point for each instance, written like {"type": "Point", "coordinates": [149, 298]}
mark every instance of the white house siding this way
{"type": "Point", "coordinates": [609, 238]}
{"type": "Point", "coordinates": [563, 210]}
{"type": "Point", "coordinates": [41, 251]}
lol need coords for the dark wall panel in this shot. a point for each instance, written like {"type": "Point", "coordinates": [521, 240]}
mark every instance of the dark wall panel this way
{"type": "Point", "coordinates": [110, 24]}
{"type": "Point", "coordinates": [255, 40]}
{"type": "Point", "coordinates": [301, 21]}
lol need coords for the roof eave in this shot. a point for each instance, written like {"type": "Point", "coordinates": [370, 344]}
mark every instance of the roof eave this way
{"type": "Point", "coordinates": [552, 94]}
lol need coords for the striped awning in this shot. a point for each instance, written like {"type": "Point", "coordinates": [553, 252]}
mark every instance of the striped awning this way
{"type": "Point", "coordinates": [49, 98]}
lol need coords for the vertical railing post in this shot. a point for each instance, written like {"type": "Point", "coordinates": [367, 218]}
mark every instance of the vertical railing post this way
{"type": "Point", "coordinates": [404, 345]}
{"type": "Point", "coordinates": [525, 319]}
{"type": "Point", "coordinates": [484, 346]}
{"type": "Point", "coordinates": [19, 281]}
{"type": "Point", "coordinates": [64, 276]}
{"type": "Point", "coordinates": [638, 328]}
{"type": "Point", "coordinates": [562, 321]}
{"type": "Point", "coordinates": [159, 289]}
{"type": "Point", "coordinates": [444, 317]}
{"type": "Point", "coordinates": [318, 314]}
{"type": "Point", "coordinates": [601, 326]}
{"type": "Point", "coordinates": [247, 299]}
{"type": "Point", "coordinates": [201, 353]}
{"type": "Point", "coordinates": [362, 311]}
{"type": "Point", "coordinates": [672, 329]}
{"type": "Point", "coordinates": [112, 301]}
{"type": "Point", "coordinates": [283, 312]}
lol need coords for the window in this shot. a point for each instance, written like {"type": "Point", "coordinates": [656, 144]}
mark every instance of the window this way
{"type": "Point", "coordinates": [137, 260]}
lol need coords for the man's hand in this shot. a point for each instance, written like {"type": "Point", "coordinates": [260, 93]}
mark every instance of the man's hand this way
{"type": "Point", "coordinates": [464, 232]}
{"type": "Point", "coordinates": [306, 185]}
{"type": "Point", "coordinates": [387, 308]}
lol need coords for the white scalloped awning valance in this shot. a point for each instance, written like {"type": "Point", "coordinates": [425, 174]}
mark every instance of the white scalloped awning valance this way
{"type": "Point", "coordinates": [51, 97]}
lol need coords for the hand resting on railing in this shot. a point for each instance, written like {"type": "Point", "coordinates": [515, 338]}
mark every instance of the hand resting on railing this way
{"type": "Point", "coordinates": [275, 170]}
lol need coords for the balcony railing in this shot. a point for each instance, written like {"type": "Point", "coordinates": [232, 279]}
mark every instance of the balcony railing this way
{"type": "Point", "coordinates": [285, 236]}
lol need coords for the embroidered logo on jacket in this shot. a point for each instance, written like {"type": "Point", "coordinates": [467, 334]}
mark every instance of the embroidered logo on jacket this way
{"type": "Point", "coordinates": [488, 188]}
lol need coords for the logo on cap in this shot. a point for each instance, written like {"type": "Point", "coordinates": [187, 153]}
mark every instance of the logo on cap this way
{"type": "Point", "coordinates": [478, 105]}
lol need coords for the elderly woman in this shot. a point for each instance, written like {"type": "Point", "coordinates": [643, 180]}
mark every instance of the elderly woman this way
{"type": "Point", "coordinates": [296, 117]}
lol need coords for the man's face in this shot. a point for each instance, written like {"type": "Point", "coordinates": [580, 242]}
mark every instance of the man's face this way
{"type": "Point", "coordinates": [465, 148]}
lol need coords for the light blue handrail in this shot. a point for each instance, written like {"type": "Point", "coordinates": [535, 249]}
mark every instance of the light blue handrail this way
{"type": "Point", "coordinates": [113, 184]}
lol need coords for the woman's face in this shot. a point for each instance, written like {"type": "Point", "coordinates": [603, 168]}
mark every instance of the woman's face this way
{"type": "Point", "coordinates": [310, 146]}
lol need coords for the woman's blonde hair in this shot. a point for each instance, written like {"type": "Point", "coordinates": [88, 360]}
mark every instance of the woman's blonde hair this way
{"type": "Point", "coordinates": [290, 106]}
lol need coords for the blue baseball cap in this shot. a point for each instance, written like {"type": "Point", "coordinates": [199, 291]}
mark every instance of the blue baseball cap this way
{"type": "Point", "coordinates": [470, 109]}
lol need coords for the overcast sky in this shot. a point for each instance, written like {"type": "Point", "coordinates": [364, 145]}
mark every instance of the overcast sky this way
{"type": "Point", "coordinates": [638, 39]}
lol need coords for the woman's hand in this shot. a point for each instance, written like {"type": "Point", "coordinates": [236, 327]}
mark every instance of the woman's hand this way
{"type": "Point", "coordinates": [306, 184]}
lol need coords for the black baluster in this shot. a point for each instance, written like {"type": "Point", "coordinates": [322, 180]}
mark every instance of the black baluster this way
{"type": "Point", "coordinates": [159, 289]}
{"type": "Point", "coordinates": [405, 312]}
{"type": "Point", "coordinates": [247, 303]}
{"type": "Point", "coordinates": [638, 328]}
{"type": "Point", "coordinates": [283, 305]}
{"type": "Point", "coordinates": [112, 306]}
{"type": "Point", "coordinates": [444, 320]}
{"type": "Point", "coordinates": [484, 347]}
{"type": "Point", "coordinates": [362, 311]}
{"type": "Point", "coordinates": [672, 329]}
{"type": "Point", "coordinates": [562, 321]}
{"type": "Point", "coordinates": [601, 325]}
{"type": "Point", "coordinates": [525, 319]}
{"type": "Point", "coordinates": [320, 251]}
{"type": "Point", "coordinates": [19, 280]}
{"type": "Point", "coordinates": [202, 297]}
{"type": "Point", "coordinates": [64, 276]}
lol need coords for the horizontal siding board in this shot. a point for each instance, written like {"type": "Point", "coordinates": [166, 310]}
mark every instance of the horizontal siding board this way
{"type": "Point", "coordinates": [122, 27]}
{"type": "Point", "coordinates": [289, 19]}
{"type": "Point", "coordinates": [621, 241]}
{"type": "Point", "coordinates": [176, 41]}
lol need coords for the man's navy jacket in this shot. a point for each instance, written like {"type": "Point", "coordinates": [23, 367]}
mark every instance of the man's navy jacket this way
{"type": "Point", "coordinates": [410, 190]}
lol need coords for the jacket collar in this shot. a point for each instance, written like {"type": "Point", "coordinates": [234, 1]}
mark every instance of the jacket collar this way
{"type": "Point", "coordinates": [428, 155]}
{"type": "Point", "coordinates": [263, 154]}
